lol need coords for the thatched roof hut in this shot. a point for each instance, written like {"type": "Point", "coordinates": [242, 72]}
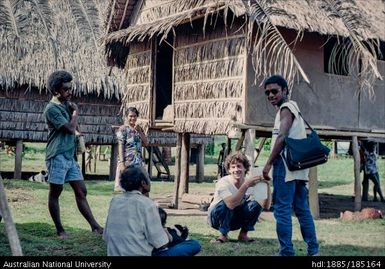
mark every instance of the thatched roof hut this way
{"type": "Point", "coordinates": [220, 51]}
{"type": "Point", "coordinates": [38, 37]}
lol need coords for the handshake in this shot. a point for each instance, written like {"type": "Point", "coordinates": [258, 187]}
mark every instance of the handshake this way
{"type": "Point", "coordinates": [178, 233]}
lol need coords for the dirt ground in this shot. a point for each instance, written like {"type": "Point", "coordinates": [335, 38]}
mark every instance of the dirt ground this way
{"type": "Point", "coordinates": [331, 205]}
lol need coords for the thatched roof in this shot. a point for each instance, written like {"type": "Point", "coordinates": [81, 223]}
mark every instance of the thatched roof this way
{"type": "Point", "coordinates": [357, 21]}
{"type": "Point", "coordinates": [258, 24]}
{"type": "Point", "coordinates": [38, 37]}
{"type": "Point", "coordinates": [157, 17]}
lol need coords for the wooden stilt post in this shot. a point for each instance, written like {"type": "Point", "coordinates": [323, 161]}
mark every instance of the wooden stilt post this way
{"type": "Point", "coordinates": [239, 144]}
{"type": "Point", "coordinates": [18, 159]}
{"type": "Point", "coordinates": [175, 199]}
{"type": "Point", "coordinates": [95, 159]}
{"type": "Point", "coordinates": [228, 147]}
{"type": "Point", "coordinates": [200, 167]}
{"type": "Point", "coordinates": [334, 149]}
{"type": "Point", "coordinates": [150, 161]}
{"type": "Point", "coordinates": [10, 228]}
{"type": "Point", "coordinates": [250, 145]}
{"type": "Point", "coordinates": [357, 178]}
{"type": "Point", "coordinates": [84, 163]}
{"type": "Point", "coordinates": [113, 161]}
{"type": "Point", "coordinates": [185, 162]}
{"type": "Point", "coordinates": [313, 192]}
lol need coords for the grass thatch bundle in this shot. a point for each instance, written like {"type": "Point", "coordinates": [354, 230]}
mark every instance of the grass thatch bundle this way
{"type": "Point", "coordinates": [209, 90]}
{"type": "Point", "coordinates": [221, 68]}
{"type": "Point", "coordinates": [200, 109]}
{"type": "Point", "coordinates": [203, 126]}
{"type": "Point", "coordinates": [215, 49]}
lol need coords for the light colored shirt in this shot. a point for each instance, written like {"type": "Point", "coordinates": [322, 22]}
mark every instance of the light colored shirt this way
{"type": "Point", "coordinates": [297, 131]}
{"type": "Point", "coordinates": [133, 226]}
{"type": "Point", "coordinates": [223, 189]}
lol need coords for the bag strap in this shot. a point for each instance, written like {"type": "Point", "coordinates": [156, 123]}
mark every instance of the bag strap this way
{"type": "Point", "coordinates": [299, 112]}
{"type": "Point", "coordinates": [305, 121]}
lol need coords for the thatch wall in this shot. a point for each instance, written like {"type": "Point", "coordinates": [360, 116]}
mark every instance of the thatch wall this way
{"type": "Point", "coordinates": [21, 116]}
{"type": "Point", "coordinates": [208, 77]}
{"type": "Point", "coordinates": [137, 90]}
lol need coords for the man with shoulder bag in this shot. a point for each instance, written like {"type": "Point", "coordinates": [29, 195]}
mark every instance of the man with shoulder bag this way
{"type": "Point", "coordinates": [290, 190]}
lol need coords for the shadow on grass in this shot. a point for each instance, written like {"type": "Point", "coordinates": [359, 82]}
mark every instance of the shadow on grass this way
{"type": "Point", "coordinates": [40, 239]}
{"type": "Point", "coordinates": [269, 247]}
{"type": "Point", "coordinates": [331, 184]}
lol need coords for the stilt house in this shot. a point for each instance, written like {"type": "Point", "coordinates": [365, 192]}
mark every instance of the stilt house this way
{"type": "Point", "coordinates": [203, 62]}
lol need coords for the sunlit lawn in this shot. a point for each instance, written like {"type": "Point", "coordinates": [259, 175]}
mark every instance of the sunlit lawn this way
{"type": "Point", "coordinates": [28, 203]}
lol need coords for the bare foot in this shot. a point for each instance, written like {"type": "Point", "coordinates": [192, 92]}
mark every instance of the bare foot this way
{"type": "Point", "coordinates": [221, 239]}
{"type": "Point", "coordinates": [118, 189]}
{"type": "Point", "coordinates": [245, 239]}
{"type": "Point", "coordinates": [242, 237]}
{"type": "Point", "coordinates": [63, 235]}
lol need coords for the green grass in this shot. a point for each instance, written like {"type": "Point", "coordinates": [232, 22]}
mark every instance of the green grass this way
{"type": "Point", "coordinates": [28, 203]}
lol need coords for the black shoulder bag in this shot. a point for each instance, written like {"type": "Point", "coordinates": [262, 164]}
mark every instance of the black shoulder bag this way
{"type": "Point", "coordinates": [306, 152]}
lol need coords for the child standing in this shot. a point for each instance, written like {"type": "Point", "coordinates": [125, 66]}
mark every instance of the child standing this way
{"type": "Point", "coordinates": [371, 172]}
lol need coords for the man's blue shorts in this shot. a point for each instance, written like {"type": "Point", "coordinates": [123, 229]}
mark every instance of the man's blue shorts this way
{"type": "Point", "coordinates": [61, 170]}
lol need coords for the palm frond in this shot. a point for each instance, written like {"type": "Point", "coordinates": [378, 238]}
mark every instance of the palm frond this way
{"type": "Point", "coordinates": [87, 19]}
{"type": "Point", "coordinates": [45, 13]}
{"type": "Point", "coordinates": [271, 54]}
{"type": "Point", "coordinates": [359, 55]}
{"type": "Point", "coordinates": [10, 19]}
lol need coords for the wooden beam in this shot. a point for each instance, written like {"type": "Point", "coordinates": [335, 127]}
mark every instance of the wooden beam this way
{"type": "Point", "coordinates": [333, 154]}
{"type": "Point", "coordinates": [135, 12]}
{"type": "Point", "coordinates": [84, 164]}
{"type": "Point", "coordinates": [110, 17]}
{"type": "Point", "coordinates": [322, 131]}
{"type": "Point", "coordinates": [261, 143]}
{"type": "Point", "coordinates": [200, 166]}
{"type": "Point", "coordinates": [175, 200]}
{"type": "Point", "coordinates": [185, 163]}
{"type": "Point", "coordinates": [240, 140]}
{"type": "Point", "coordinates": [228, 148]}
{"type": "Point", "coordinates": [357, 176]}
{"type": "Point", "coordinates": [113, 161]}
{"type": "Point", "coordinates": [150, 160]}
{"type": "Point", "coordinates": [18, 159]}
{"type": "Point", "coordinates": [313, 193]}
{"type": "Point", "coordinates": [250, 145]}
{"type": "Point", "coordinates": [10, 228]}
{"type": "Point", "coordinates": [124, 15]}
